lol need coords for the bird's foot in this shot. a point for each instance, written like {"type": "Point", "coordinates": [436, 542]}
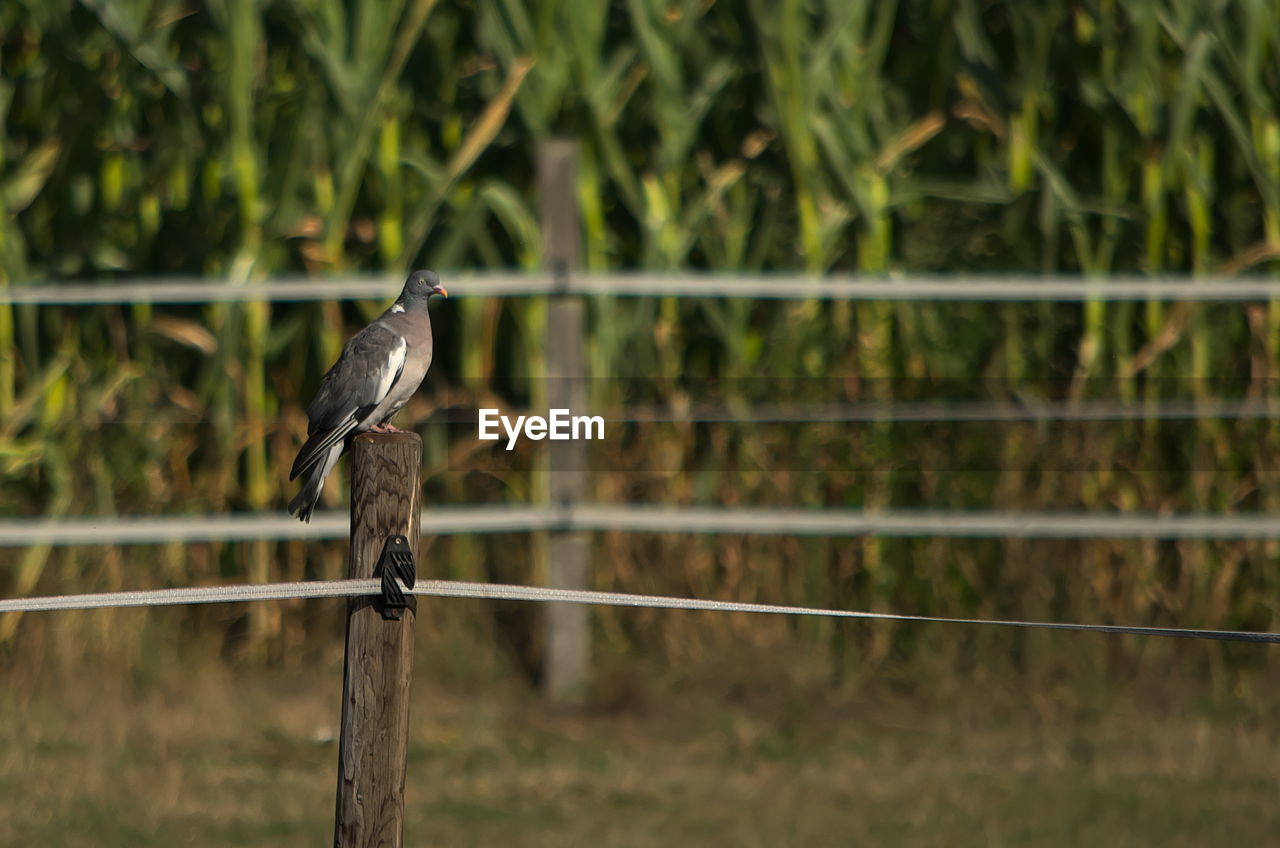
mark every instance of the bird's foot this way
{"type": "Point", "coordinates": [386, 428]}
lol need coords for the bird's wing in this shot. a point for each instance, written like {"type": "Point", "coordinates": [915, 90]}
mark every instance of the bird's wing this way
{"type": "Point", "coordinates": [369, 366]}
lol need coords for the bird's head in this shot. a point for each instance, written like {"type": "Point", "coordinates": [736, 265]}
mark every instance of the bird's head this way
{"type": "Point", "coordinates": [419, 288]}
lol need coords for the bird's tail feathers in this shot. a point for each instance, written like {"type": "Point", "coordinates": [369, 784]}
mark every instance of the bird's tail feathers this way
{"type": "Point", "coordinates": [317, 443]}
{"type": "Point", "coordinates": [304, 503]}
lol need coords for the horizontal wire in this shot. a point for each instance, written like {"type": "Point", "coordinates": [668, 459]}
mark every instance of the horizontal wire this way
{"type": "Point", "coordinates": [195, 595]}
{"type": "Point", "coordinates": [780, 286]}
{"type": "Point", "coordinates": [748, 521]}
{"type": "Point", "coordinates": [509, 592]}
{"type": "Point", "coordinates": [958, 523]}
{"type": "Point", "coordinates": [242, 527]}
{"type": "Point", "coordinates": [919, 412]}
{"type": "Point", "coordinates": [953, 287]}
{"type": "Point", "coordinates": [915, 412]}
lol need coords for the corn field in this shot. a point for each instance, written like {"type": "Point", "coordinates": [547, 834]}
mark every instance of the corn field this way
{"type": "Point", "coordinates": [246, 138]}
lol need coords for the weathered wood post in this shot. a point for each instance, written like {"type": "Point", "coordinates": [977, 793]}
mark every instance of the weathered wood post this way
{"type": "Point", "coordinates": [385, 501]}
{"type": "Point", "coordinates": [567, 627]}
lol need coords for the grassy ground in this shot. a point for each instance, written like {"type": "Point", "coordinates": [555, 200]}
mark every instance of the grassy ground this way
{"type": "Point", "coordinates": [210, 758]}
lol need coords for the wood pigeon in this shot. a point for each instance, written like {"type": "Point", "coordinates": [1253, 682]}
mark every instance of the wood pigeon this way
{"type": "Point", "coordinates": [379, 370]}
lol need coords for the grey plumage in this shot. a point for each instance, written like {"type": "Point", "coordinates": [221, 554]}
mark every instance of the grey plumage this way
{"type": "Point", "coordinates": [379, 370]}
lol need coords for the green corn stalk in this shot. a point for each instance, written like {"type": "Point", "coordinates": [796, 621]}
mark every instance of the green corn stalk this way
{"type": "Point", "coordinates": [373, 88]}
{"type": "Point", "coordinates": [1198, 194]}
{"type": "Point", "coordinates": [32, 561]}
{"type": "Point", "coordinates": [783, 52]}
{"type": "Point", "coordinates": [1023, 138]}
{"type": "Point", "coordinates": [8, 348]}
{"type": "Point", "coordinates": [244, 32]}
{"type": "Point", "coordinates": [877, 367]}
{"type": "Point", "coordinates": [19, 188]}
{"type": "Point", "coordinates": [391, 218]}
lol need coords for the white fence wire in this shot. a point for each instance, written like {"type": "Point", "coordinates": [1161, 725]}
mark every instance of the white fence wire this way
{"type": "Point", "coordinates": [930, 412]}
{"type": "Point", "coordinates": [509, 592]}
{"type": "Point", "coordinates": [335, 524]}
{"type": "Point", "coordinates": [954, 287]}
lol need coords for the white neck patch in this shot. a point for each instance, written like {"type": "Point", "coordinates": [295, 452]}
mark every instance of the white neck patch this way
{"type": "Point", "coordinates": [395, 307]}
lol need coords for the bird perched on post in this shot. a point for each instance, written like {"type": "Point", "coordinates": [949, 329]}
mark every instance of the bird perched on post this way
{"type": "Point", "coordinates": [379, 370]}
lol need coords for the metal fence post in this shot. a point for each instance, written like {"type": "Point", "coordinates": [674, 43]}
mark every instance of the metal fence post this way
{"type": "Point", "coordinates": [567, 626]}
{"type": "Point", "coordinates": [385, 503]}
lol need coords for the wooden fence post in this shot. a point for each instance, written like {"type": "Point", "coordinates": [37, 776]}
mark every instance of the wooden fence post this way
{"type": "Point", "coordinates": [385, 501]}
{"type": "Point", "coordinates": [567, 626]}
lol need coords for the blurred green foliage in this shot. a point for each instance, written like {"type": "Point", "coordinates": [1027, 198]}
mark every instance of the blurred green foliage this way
{"type": "Point", "coordinates": [149, 137]}
{"type": "Point", "coordinates": [241, 138]}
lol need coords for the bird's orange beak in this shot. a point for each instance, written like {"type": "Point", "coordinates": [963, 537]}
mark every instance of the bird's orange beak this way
{"type": "Point", "coordinates": [440, 290]}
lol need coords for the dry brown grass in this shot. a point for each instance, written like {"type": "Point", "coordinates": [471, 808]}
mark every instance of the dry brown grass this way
{"type": "Point", "coordinates": [216, 758]}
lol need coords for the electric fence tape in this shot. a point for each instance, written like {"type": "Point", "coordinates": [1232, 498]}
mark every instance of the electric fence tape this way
{"type": "Point", "coordinates": [956, 287]}
{"type": "Point", "coordinates": [509, 592]}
